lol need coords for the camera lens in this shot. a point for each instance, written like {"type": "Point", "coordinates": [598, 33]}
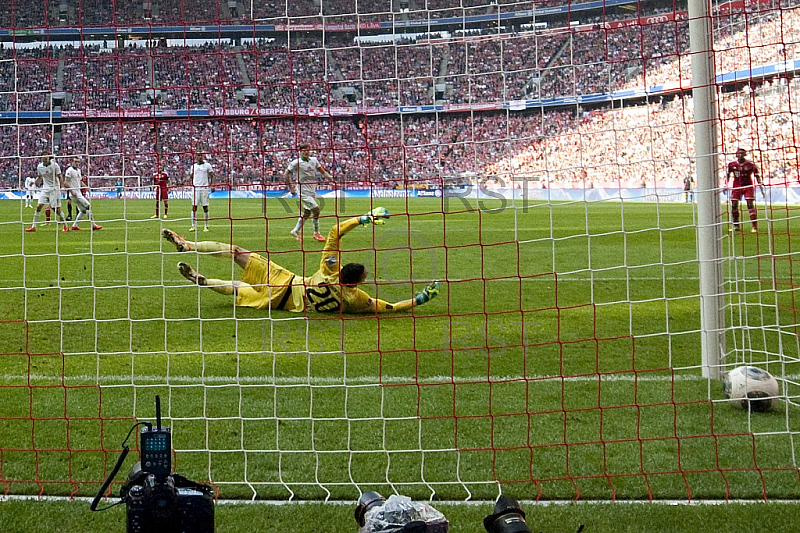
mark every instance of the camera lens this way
{"type": "Point", "coordinates": [367, 501]}
{"type": "Point", "coordinates": [508, 517]}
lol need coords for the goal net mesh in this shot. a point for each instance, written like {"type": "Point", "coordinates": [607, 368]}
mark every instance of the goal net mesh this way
{"type": "Point", "coordinates": [537, 159]}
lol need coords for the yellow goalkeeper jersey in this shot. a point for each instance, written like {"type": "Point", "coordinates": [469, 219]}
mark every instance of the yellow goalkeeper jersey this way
{"type": "Point", "coordinates": [322, 291]}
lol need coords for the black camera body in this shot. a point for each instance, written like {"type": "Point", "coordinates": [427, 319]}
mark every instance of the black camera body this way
{"type": "Point", "coordinates": [156, 500]}
{"type": "Point", "coordinates": [173, 504]}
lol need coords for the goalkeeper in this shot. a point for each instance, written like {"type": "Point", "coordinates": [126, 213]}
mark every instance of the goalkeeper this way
{"type": "Point", "coordinates": [267, 285]}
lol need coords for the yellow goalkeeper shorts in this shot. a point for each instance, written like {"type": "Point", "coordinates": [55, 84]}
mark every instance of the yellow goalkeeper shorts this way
{"type": "Point", "coordinates": [267, 285]}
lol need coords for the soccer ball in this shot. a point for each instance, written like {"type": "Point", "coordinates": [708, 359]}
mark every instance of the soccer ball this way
{"type": "Point", "coordinates": [750, 387]}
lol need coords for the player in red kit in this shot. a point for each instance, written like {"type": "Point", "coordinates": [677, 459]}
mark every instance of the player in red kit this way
{"type": "Point", "coordinates": [742, 172]}
{"type": "Point", "coordinates": [160, 182]}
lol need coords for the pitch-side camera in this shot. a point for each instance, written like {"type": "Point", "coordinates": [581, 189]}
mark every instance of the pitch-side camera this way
{"type": "Point", "coordinates": [508, 517]}
{"type": "Point", "coordinates": [397, 514]}
{"type": "Point", "coordinates": [156, 500]}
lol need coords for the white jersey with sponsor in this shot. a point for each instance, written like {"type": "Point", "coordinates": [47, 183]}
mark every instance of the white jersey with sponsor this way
{"type": "Point", "coordinates": [200, 172]}
{"type": "Point", "coordinates": [30, 183]}
{"type": "Point", "coordinates": [73, 179]}
{"type": "Point", "coordinates": [49, 174]}
{"type": "Point", "coordinates": [306, 172]}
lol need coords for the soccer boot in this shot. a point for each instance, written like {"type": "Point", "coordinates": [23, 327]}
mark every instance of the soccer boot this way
{"type": "Point", "coordinates": [180, 243]}
{"type": "Point", "coordinates": [191, 274]}
{"type": "Point", "coordinates": [319, 237]}
{"type": "Point", "coordinates": [96, 227]}
{"type": "Point", "coordinates": [296, 236]}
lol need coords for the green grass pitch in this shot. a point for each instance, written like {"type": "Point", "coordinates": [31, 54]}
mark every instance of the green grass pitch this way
{"type": "Point", "coordinates": [464, 392]}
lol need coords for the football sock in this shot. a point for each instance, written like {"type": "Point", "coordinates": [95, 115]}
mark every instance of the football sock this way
{"type": "Point", "coordinates": [213, 247]}
{"type": "Point", "coordinates": [222, 287]}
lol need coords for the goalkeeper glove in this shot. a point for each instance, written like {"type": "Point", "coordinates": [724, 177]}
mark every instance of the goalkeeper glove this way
{"type": "Point", "coordinates": [428, 293]}
{"type": "Point", "coordinates": [379, 215]}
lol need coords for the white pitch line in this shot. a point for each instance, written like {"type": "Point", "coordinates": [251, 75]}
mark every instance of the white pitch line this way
{"type": "Point", "coordinates": [120, 380]}
{"type": "Point", "coordinates": [542, 503]}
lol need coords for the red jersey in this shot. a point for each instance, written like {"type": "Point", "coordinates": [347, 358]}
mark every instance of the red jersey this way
{"type": "Point", "coordinates": [160, 179]}
{"type": "Point", "coordinates": [742, 173]}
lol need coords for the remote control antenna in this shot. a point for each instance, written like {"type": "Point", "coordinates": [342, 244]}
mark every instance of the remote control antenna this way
{"type": "Point", "coordinates": [158, 412]}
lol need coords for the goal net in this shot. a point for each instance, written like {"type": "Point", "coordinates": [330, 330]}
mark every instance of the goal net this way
{"type": "Point", "coordinates": [537, 159]}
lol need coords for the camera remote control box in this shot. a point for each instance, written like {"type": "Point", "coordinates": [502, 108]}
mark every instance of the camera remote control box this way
{"type": "Point", "coordinates": [156, 446]}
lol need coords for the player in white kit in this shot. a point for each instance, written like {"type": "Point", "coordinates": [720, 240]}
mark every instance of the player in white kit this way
{"type": "Point", "coordinates": [49, 174]}
{"type": "Point", "coordinates": [30, 191]}
{"type": "Point", "coordinates": [306, 168]}
{"type": "Point", "coordinates": [73, 182]}
{"type": "Point", "coordinates": [202, 174]}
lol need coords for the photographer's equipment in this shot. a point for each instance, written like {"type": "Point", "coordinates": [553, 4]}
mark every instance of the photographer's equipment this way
{"type": "Point", "coordinates": [508, 517]}
{"type": "Point", "coordinates": [367, 501]}
{"type": "Point", "coordinates": [397, 514]}
{"type": "Point", "coordinates": [157, 501]}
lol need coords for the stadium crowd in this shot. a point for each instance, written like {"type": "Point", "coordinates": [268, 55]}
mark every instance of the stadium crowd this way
{"type": "Point", "coordinates": [556, 147]}
{"type": "Point", "coordinates": [636, 146]}
{"type": "Point", "coordinates": [327, 70]}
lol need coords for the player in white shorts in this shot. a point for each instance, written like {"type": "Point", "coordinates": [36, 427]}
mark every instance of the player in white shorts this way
{"type": "Point", "coordinates": [30, 191]}
{"type": "Point", "coordinates": [73, 182]}
{"type": "Point", "coordinates": [306, 168]}
{"type": "Point", "coordinates": [49, 174]}
{"type": "Point", "coordinates": [202, 174]}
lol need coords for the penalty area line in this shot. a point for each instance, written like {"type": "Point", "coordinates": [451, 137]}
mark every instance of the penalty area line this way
{"type": "Point", "coordinates": [117, 380]}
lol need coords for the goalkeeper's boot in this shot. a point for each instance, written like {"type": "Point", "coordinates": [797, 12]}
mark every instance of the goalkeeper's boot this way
{"type": "Point", "coordinates": [379, 215]}
{"type": "Point", "coordinates": [180, 243]}
{"type": "Point", "coordinates": [191, 274]}
{"type": "Point", "coordinates": [428, 293]}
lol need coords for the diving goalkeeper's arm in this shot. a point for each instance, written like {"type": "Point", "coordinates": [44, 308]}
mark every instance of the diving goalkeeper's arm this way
{"type": "Point", "coordinates": [358, 301]}
{"type": "Point", "coordinates": [329, 263]}
{"type": "Point", "coordinates": [355, 300]}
